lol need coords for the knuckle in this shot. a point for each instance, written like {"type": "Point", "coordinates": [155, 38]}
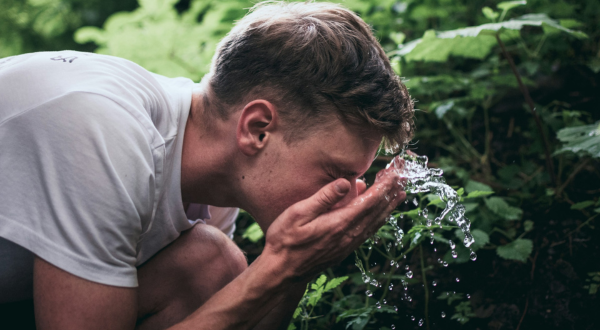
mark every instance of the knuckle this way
{"type": "Point", "coordinates": [325, 199]}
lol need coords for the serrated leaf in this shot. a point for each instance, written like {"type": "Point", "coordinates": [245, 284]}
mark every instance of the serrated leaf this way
{"type": "Point", "coordinates": [582, 205]}
{"type": "Point", "coordinates": [584, 139]}
{"type": "Point", "coordinates": [460, 191]}
{"type": "Point", "coordinates": [501, 208]}
{"type": "Point", "coordinates": [297, 312]}
{"type": "Point", "coordinates": [472, 186]}
{"type": "Point", "coordinates": [319, 282]}
{"type": "Point", "coordinates": [334, 283]}
{"type": "Point", "coordinates": [518, 249]}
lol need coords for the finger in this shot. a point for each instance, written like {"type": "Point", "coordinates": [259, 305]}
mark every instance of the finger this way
{"type": "Point", "coordinates": [323, 199]}
{"type": "Point", "coordinates": [370, 204]}
{"type": "Point", "coordinates": [361, 186]}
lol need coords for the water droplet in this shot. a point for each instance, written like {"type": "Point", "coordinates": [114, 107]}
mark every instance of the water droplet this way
{"type": "Point", "coordinates": [421, 322]}
{"type": "Point", "coordinates": [409, 274]}
{"type": "Point", "coordinates": [387, 198]}
{"type": "Point", "coordinates": [454, 254]}
{"type": "Point", "coordinates": [425, 213]}
{"type": "Point", "coordinates": [406, 267]}
{"type": "Point", "coordinates": [392, 263]}
{"type": "Point", "coordinates": [378, 305]}
{"type": "Point", "coordinates": [445, 264]}
{"type": "Point", "coordinates": [412, 317]}
{"type": "Point", "coordinates": [443, 314]}
{"type": "Point", "coordinates": [457, 279]}
{"type": "Point", "coordinates": [468, 296]}
{"type": "Point", "coordinates": [392, 327]}
{"type": "Point", "coordinates": [434, 249]}
{"type": "Point", "coordinates": [396, 308]}
{"type": "Point", "coordinates": [434, 283]}
{"type": "Point", "coordinates": [473, 256]}
{"type": "Point", "coordinates": [384, 302]}
{"type": "Point", "coordinates": [452, 245]}
{"type": "Point", "coordinates": [415, 202]}
{"type": "Point", "coordinates": [369, 293]}
{"type": "Point", "coordinates": [409, 298]}
{"type": "Point", "coordinates": [391, 287]}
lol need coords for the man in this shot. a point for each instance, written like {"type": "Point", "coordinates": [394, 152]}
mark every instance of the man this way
{"type": "Point", "coordinates": [100, 160]}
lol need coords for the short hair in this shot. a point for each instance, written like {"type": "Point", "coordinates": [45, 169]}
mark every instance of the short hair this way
{"type": "Point", "coordinates": [312, 60]}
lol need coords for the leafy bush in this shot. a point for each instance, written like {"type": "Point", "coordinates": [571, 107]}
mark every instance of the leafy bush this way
{"type": "Point", "coordinates": [508, 108]}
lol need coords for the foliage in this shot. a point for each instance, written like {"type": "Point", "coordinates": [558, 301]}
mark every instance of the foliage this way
{"type": "Point", "coordinates": [581, 139]}
{"type": "Point", "coordinates": [532, 235]}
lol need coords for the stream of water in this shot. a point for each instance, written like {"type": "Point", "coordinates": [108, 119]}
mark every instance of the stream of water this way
{"type": "Point", "coordinates": [419, 179]}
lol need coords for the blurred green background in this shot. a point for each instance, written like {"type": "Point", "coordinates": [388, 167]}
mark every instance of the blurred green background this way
{"type": "Point", "coordinates": [536, 235]}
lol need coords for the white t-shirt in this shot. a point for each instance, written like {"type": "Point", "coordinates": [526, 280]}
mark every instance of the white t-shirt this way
{"type": "Point", "coordinates": [90, 163]}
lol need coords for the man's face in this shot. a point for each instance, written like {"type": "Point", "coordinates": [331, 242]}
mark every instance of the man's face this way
{"type": "Point", "coordinates": [286, 174]}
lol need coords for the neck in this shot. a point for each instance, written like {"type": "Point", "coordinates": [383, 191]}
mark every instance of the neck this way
{"type": "Point", "coordinates": [208, 166]}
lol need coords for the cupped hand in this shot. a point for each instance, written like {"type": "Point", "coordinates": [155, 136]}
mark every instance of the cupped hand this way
{"type": "Point", "coordinates": [310, 236]}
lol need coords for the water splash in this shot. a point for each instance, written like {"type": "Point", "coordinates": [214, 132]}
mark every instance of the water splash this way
{"type": "Point", "coordinates": [420, 179]}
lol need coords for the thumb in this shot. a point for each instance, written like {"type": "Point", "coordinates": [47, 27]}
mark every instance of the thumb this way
{"type": "Point", "coordinates": [325, 198]}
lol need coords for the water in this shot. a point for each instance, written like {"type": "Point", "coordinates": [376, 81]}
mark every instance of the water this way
{"type": "Point", "coordinates": [421, 179]}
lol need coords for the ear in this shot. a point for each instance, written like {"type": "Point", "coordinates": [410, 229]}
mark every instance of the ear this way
{"type": "Point", "coordinates": [255, 126]}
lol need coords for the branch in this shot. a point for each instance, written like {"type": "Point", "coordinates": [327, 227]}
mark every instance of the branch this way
{"type": "Point", "coordinates": [538, 122]}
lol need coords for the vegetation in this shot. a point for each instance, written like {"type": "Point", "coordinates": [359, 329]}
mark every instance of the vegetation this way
{"type": "Point", "coordinates": [508, 108]}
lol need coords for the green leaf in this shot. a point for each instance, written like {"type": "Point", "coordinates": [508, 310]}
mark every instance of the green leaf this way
{"type": "Point", "coordinates": [441, 110]}
{"type": "Point", "coordinates": [489, 13]}
{"type": "Point", "coordinates": [528, 225]}
{"type": "Point", "coordinates": [582, 205]}
{"type": "Point", "coordinates": [478, 193]}
{"type": "Point", "coordinates": [253, 233]}
{"type": "Point", "coordinates": [473, 186]}
{"type": "Point", "coordinates": [481, 239]}
{"type": "Point", "coordinates": [319, 282]}
{"type": "Point", "coordinates": [501, 208]}
{"type": "Point", "coordinates": [518, 249]}
{"type": "Point", "coordinates": [334, 283]}
{"type": "Point", "coordinates": [291, 326]}
{"type": "Point", "coordinates": [460, 191]}
{"type": "Point", "coordinates": [475, 41]}
{"type": "Point", "coordinates": [297, 312]}
{"type": "Point", "coordinates": [580, 139]}
{"type": "Point", "coordinates": [508, 5]}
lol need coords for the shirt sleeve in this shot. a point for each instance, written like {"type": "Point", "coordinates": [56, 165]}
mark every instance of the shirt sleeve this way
{"type": "Point", "coordinates": [77, 185]}
{"type": "Point", "coordinates": [223, 218]}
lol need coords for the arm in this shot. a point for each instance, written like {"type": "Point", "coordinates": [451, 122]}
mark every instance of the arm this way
{"type": "Point", "coordinates": [301, 242]}
{"type": "Point", "coordinates": [64, 301]}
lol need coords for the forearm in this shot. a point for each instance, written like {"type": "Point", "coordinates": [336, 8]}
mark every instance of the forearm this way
{"type": "Point", "coordinates": [279, 317]}
{"type": "Point", "coordinates": [243, 302]}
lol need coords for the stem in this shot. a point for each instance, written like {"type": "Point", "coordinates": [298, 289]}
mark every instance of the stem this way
{"type": "Point", "coordinates": [425, 286]}
{"type": "Point", "coordinates": [538, 122]}
{"type": "Point", "coordinates": [571, 177]}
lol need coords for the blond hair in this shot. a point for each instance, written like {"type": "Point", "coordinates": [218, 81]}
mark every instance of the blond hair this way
{"type": "Point", "coordinates": [312, 60]}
